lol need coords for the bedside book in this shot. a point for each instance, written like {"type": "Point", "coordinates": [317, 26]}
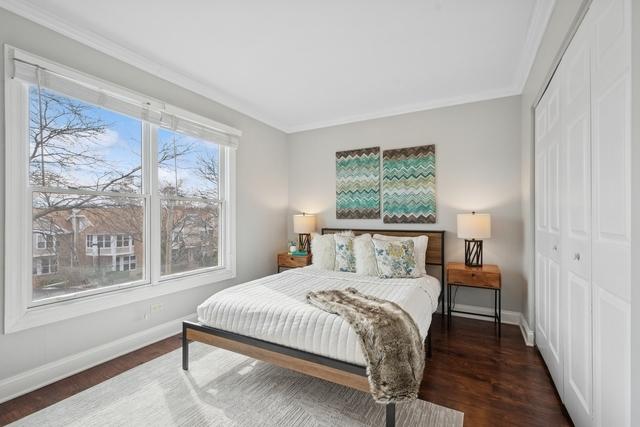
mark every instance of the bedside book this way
{"type": "Point", "coordinates": [298, 253]}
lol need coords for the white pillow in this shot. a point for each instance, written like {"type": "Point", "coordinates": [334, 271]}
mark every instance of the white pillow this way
{"type": "Point", "coordinates": [323, 250]}
{"type": "Point", "coordinates": [363, 249]}
{"type": "Point", "coordinates": [419, 246]}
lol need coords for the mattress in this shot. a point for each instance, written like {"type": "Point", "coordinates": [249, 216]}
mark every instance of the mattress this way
{"type": "Point", "coordinates": [274, 309]}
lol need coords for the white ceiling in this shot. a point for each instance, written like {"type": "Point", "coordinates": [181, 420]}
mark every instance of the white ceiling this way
{"type": "Point", "coordinates": [298, 64]}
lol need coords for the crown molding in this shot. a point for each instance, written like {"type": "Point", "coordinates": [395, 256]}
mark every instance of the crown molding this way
{"type": "Point", "coordinates": [542, 10]}
{"type": "Point", "coordinates": [413, 108]}
{"type": "Point", "coordinates": [537, 26]}
{"type": "Point", "coordinates": [102, 44]}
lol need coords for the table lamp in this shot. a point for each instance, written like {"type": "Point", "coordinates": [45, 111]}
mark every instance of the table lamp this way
{"type": "Point", "coordinates": [473, 228]}
{"type": "Point", "coordinates": [303, 225]}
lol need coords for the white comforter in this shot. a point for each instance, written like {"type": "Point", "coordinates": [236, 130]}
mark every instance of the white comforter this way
{"type": "Point", "coordinates": [274, 309]}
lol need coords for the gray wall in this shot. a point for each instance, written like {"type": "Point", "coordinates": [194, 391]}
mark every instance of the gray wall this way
{"type": "Point", "coordinates": [478, 168]}
{"type": "Point", "coordinates": [559, 24]}
{"type": "Point", "coordinates": [261, 205]}
{"type": "Point", "coordinates": [635, 214]}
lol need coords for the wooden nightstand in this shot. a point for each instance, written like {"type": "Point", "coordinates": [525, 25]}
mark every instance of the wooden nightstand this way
{"type": "Point", "coordinates": [289, 261]}
{"type": "Point", "coordinates": [486, 277]}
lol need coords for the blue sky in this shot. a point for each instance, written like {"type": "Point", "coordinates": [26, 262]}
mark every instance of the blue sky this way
{"type": "Point", "coordinates": [120, 149]}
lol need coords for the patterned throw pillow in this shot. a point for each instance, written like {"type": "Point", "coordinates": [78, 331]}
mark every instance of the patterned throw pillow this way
{"type": "Point", "coordinates": [395, 258]}
{"type": "Point", "coordinates": [345, 258]}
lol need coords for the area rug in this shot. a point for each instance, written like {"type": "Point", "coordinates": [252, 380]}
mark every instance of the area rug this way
{"type": "Point", "coordinates": [226, 389]}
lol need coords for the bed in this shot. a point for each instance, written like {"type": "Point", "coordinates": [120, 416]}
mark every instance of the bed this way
{"type": "Point", "coordinates": [268, 319]}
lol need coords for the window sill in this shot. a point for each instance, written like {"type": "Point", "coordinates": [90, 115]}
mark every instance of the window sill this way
{"type": "Point", "coordinates": [63, 310]}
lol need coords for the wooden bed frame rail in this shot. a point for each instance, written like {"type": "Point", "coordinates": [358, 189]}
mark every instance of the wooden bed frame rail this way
{"type": "Point", "coordinates": [326, 368]}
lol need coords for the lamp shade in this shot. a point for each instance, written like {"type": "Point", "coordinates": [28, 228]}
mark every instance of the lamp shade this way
{"type": "Point", "coordinates": [474, 226]}
{"type": "Point", "coordinates": [304, 224]}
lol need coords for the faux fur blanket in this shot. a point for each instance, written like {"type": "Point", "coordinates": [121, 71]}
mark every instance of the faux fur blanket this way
{"type": "Point", "coordinates": [389, 337]}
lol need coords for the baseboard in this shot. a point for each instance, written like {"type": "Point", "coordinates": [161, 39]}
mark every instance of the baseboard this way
{"type": "Point", "coordinates": [33, 379]}
{"type": "Point", "coordinates": [508, 317]}
{"type": "Point", "coordinates": [527, 332]}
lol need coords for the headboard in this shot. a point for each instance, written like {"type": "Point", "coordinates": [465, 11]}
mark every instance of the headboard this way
{"type": "Point", "coordinates": [435, 247]}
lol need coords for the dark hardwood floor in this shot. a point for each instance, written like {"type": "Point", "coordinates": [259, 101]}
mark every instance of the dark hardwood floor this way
{"type": "Point", "coordinates": [495, 382]}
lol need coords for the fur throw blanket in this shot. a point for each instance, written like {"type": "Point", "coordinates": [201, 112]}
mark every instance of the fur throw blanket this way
{"type": "Point", "coordinates": [389, 337]}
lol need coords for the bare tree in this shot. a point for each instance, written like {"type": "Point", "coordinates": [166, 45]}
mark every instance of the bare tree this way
{"type": "Point", "coordinates": [65, 136]}
{"type": "Point", "coordinates": [208, 169]}
{"type": "Point", "coordinates": [189, 227]}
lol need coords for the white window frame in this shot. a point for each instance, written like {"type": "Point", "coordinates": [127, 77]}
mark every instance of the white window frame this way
{"type": "Point", "coordinates": [20, 312]}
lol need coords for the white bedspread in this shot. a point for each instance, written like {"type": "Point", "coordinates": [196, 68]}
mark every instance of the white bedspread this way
{"type": "Point", "coordinates": [274, 309]}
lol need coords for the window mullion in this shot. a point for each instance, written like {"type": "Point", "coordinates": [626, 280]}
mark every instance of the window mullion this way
{"type": "Point", "coordinates": [154, 241]}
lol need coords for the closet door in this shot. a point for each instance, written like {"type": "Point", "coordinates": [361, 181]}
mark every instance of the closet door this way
{"type": "Point", "coordinates": [611, 183]}
{"type": "Point", "coordinates": [576, 257]}
{"type": "Point", "coordinates": [548, 230]}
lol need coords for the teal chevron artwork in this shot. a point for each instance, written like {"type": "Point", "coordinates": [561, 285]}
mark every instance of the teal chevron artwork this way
{"type": "Point", "coordinates": [358, 183]}
{"type": "Point", "coordinates": [409, 185]}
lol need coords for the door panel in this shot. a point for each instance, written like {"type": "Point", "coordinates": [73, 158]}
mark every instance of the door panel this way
{"type": "Point", "coordinates": [541, 193]}
{"type": "Point", "coordinates": [610, 128]}
{"type": "Point", "coordinates": [553, 169]}
{"type": "Point", "coordinates": [578, 366]}
{"type": "Point", "coordinates": [611, 210]}
{"type": "Point", "coordinates": [576, 259]}
{"type": "Point", "coordinates": [549, 221]}
{"type": "Point", "coordinates": [553, 302]}
{"type": "Point", "coordinates": [612, 349]}
{"type": "Point", "coordinates": [541, 305]}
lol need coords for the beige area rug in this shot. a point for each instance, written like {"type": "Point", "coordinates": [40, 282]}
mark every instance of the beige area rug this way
{"type": "Point", "coordinates": [226, 389]}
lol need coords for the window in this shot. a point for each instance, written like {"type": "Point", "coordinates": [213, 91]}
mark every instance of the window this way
{"type": "Point", "coordinates": [123, 240]}
{"type": "Point", "coordinates": [44, 240]}
{"type": "Point", "coordinates": [84, 161]}
{"type": "Point", "coordinates": [189, 204]}
{"type": "Point", "coordinates": [125, 263]}
{"type": "Point", "coordinates": [45, 265]}
{"type": "Point", "coordinates": [147, 188]}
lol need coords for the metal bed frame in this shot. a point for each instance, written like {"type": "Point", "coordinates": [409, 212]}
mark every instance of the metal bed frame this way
{"type": "Point", "coordinates": [337, 371]}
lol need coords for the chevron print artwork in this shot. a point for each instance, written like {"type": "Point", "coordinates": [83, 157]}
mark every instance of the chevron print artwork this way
{"type": "Point", "coordinates": [358, 184]}
{"type": "Point", "coordinates": [409, 185]}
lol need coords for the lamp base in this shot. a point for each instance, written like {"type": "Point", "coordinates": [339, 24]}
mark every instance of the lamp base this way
{"type": "Point", "coordinates": [304, 242]}
{"type": "Point", "coordinates": [473, 253]}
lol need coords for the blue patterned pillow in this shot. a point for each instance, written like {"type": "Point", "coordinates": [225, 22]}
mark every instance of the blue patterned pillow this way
{"type": "Point", "coordinates": [345, 257]}
{"type": "Point", "coordinates": [395, 258]}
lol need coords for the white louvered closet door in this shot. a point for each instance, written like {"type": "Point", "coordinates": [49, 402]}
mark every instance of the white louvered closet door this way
{"type": "Point", "coordinates": [611, 222]}
{"type": "Point", "coordinates": [574, 74]}
{"type": "Point", "coordinates": [548, 231]}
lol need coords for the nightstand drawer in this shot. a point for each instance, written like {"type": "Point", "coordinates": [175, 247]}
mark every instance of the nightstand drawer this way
{"type": "Point", "coordinates": [475, 278]}
{"type": "Point", "coordinates": [290, 261]}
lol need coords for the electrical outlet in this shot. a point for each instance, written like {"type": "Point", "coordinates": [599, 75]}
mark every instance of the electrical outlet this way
{"type": "Point", "coordinates": [155, 307]}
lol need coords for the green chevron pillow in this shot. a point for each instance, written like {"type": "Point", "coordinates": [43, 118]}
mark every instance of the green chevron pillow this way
{"type": "Point", "coordinates": [396, 259]}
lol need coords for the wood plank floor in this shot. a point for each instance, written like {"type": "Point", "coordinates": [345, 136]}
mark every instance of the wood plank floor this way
{"type": "Point", "coordinates": [495, 382]}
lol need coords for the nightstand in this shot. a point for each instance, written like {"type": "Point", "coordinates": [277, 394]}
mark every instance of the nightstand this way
{"type": "Point", "coordinates": [487, 276]}
{"type": "Point", "coordinates": [290, 261]}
